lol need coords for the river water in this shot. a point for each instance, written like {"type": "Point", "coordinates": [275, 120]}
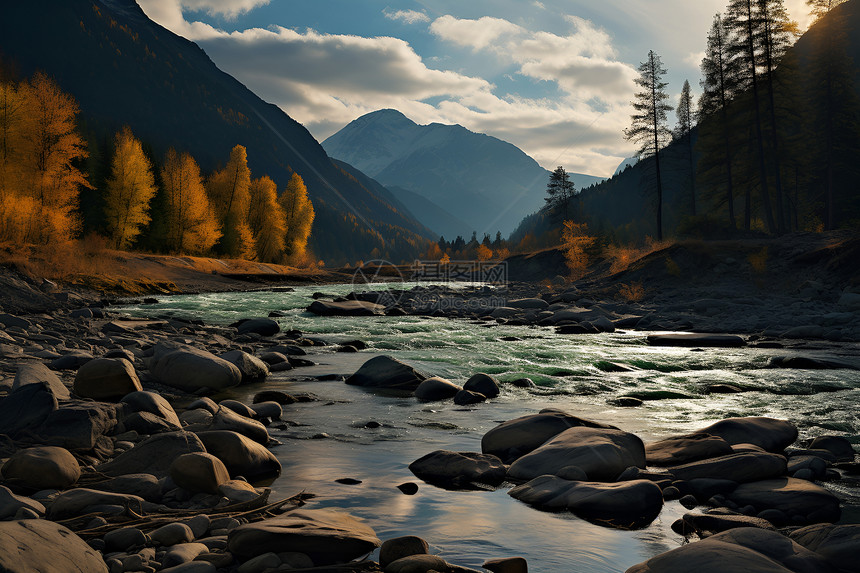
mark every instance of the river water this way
{"type": "Point", "coordinates": [328, 439]}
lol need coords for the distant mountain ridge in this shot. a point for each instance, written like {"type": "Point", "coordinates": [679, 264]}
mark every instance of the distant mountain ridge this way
{"type": "Point", "coordinates": [124, 69]}
{"type": "Point", "coordinates": [483, 181]}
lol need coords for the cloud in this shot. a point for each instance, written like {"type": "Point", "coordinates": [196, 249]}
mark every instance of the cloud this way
{"type": "Point", "coordinates": [407, 16]}
{"type": "Point", "coordinates": [694, 59]}
{"type": "Point", "coordinates": [475, 34]}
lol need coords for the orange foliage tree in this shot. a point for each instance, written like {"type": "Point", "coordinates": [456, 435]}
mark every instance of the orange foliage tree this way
{"type": "Point", "coordinates": [229, 192]}
{"type": "Point", "coordinates": [191, 223]}
{"type": "Point", "coordinates": [575, 242]}
{"type": "Point", "coordinates": [130, 188]}
{"type": "Point", "coordinates": [266, 220]}
{"type": "Point", "coordinates": [484, 253]}
{"type": "Point", "coordinates": [299, 213]}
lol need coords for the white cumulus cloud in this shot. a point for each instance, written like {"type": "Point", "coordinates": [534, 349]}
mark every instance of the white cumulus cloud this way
{"type": "Point", "coordinates": [407, 16]}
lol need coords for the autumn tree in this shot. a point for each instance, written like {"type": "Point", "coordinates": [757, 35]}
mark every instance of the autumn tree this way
{"type": "Point", "coordinates": [229, 192]}
{"type": "Point", "coordinates": [559, 191]}
{"type": "Point", "coordinates": [266, 220]}
{"type": "Point", "coordinates": [484, 253]}
{"type": "Point", "coordinates": [191, 224]}
{"type": "Point", "coordinates": [648, 128]}
{"type": "Point", "coordinates": [685, 113]}
{"type": "Point", "coordinates": [575, 244]}
{"type": "Point", "coordinates": [50, 147]}
{"type": "Point", "coordinates": [299, 214]}
{"type": "Point", "coordinates": [130, 188]}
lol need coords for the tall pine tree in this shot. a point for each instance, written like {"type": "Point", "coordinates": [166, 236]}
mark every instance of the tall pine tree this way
{"type": "Point", "coordinates": [684, 133]}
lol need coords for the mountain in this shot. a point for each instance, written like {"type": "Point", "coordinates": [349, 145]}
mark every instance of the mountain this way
{"type": "Point", "coordinates": [124, 69]}
{"type": "Point", "coordinates": [484, 181]}
{"type": "Point", "coordinates": [628, 162]}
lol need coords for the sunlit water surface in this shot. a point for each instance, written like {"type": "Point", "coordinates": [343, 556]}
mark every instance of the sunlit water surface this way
{"type": "Point", "coordinates": [579, 374]}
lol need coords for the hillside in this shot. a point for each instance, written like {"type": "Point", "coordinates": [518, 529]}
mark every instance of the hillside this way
{"type": "Point", "coordinates": [484, 181]}
{"type": "Point", "coordinates": [124, 69]}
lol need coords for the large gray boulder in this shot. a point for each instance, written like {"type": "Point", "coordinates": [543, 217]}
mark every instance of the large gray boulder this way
{"type": "Point", "coordinates": [26, 408]}
{"type": "Point", "coordinates": [199, 472]}
{"type": "Point", "coordinates": [261, 326]}
{"type": "Point", "coordinates": [43, 467]}
{"type": "Point", "coordinates": [839, 544]}
{"type": "Point", "coordinates": [387, 373]}
{"type": "Point", "coordinates": [745, 467]}
{"type": "Point", "coordinates": [678, 450]}
{"type": "Point", "coordinates": [252, 368]}
{"type": "Point", "coordinates": [153, 455]}
{"type": "Point", "coordinates": [153, 403]}
{"type": "Point", "coordinates": [241, 455]}
{"type": "Point", "coordinates": [77, 501]}
{"type": "Point", "coordinates": [746, 549]}
{"type": "Point", "coordinates": [602, 453]}
{"type": "Point", "coordinates": [326, 536]}
{"type": "Point", "coordinates": [227, 419]}
{"type": "Point", "coordinates": [769, 433]}
{"type": "Point", "coordinates": [38, 373]}
{"type": "Point", "coordinates": [47, 547]}
{"type": "Point", "coordinates": [107, 379]}
{"type": "Point", "coordinates": [459, 470]}
{"type": "Point", "coordinates": [634, 503]}
{"type": "Point", "coordinates": [514, 438]}
{"type": "Point", "coordinates": [81, 426]}
{"type": "Point", "coordinates": [836, 445]}
{"type": "Point", "coordinates": [801, 501]}
{"type": "Point", "coordinates": [192, 369]}
{"type": "Point", "coordinates": [482, 384]}
{"type": "Point", "coordinates": [435, 388]}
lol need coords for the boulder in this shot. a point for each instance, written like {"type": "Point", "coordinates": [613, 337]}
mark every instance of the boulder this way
{"type": "Point", "coordinates": [26, 408]}
{"type": "Point", "coordinates": [44, 467]}
{"type": "Point", "coordinates": [528, 303]}
{"type": "Point", "coordinates": [514, 438]}
{"type": "Point", "coordinates": [267, 410]}
{"type": "Point", "coordinates": [459, 470]}
{"type": "Point", "coordinates": [743, 549]}
{"type": "Point", "coordinates": [153, 455]}
{"type": "Point", "coordinates": [420, 563]}
{"type": "Point", "coordinates": [146, 423]}
{"type": "Point", "coordinates": [482, 384]}
{"type": "Point", "coordinates": [771, 434]}
{"type": "Point", "coordinates": [237, 407]}
{"type": "Point", "coordinates": [387, 373]}
{"type": "Point", "coordinates": [602, 453]}
{"type": "Point", "coordinates": [507, 565]}
{"type": "Point", "coordinates": [716, 521]}
{"type": "Point", "coordinates": [11, 504]}
{"type": "Point", "coordinates": [810, 363]}
{"type": "Point", "coordinates": [76, 501]}
{"type": "Point", "coordinates": [801, 501]}
{"type": "Point", "coordinates": [696, 340]}
{"type": "Point", "coordinates": [468, 397]}
{"type": "Point", "coordinates": [81, 425]}
{"type": "Point", "coordinates": [227, 419]}
{"type": "Point", "coordinates": [183, 553]}
{"type": "Point", "coordinates": [399, 547]}
{"type": "Point", "coordinates": [326, 536]}
{"type": "Point", "coordinates": [684, 449]}
{"type": "Point", "coordinates": [106, 379]}
{"type": "Point", "coordinates": [346, 308]}
{"type": "Point", "coordinates": [836, 445]}
{"type": "Point", "coordinates": [745, 467]}
{"type": "Point", "coordinates": [199, 472]}
{"type": "Point", "coordinates": [241, 455]}
{"type": "Point", "coordinates": [47, 547]}
{"type": "Point", "coordinates": [71, 360]}
{"type": "Point", "coordinates": [838, 544]}
{"type": "Point", "coordinates": [172, 534]}
{"type": "Point", "coordinates": [153, 403]}
{"type": "Point", "coordinates": [261, 326]}
{"type": "Point", "coordinates": [634, 503]}
{"type": "Point", "coordinates": [192, 369]}
{"type": "Point", "coordinates": [38, 373]}
{"type": "Point", "coordinates": [238, 491]}
{"type": "Point", "coordinates": [434, 388]}
{"type": "Point", "coordinates": [146, 486]}
{"type": "Point", "coordinates": [124, 539]}
{"type": "Point", "coordinates": [816, 466]}
{"type": "Point", "coordinates": [252, 368]}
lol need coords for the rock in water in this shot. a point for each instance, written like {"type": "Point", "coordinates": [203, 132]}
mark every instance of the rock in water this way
{"type": "Point", "coordinates": [106, 379]}
{"type": "Point", "coordinates": [261, 326]}
{"type": "Point", "coordinates": [468, 397]}
{"type": "Point", "coordinates": [459, 470]}
{"type": "Point", "coordinates": [514, 438]}
{"type": "Point", "coordinates": [695, 340]}
{"type": "Point", "coordinates": [435, 388]}
{"type": "Point", "coordinates": [241, 455]}
{"type": "Point", "coordinates": [742, 549]}
{"type": "Point", "coordinates": [252, 368]}
{"type": "Point", "coordinates": [44, 546]}
{"type": "Point", "coordinates": [482, 384]}
{"type": "Point", "coordinates": [685, 449]}
{"type": "Point", "coordinates": [326, 536]}
{"type": "Point", "coordinates": [388, 373]}
{"type": "Point", "coordinates": [745, 467]}
{"type": "Point", "coordinates": [769, 433]}
{"type": "Point", "coordinates": [634, 503]}
{"type": "Point", "coordinates": [192, 369]}
{"type": "Point", "coordinates": [45, 467]}
{"type": "Point", "coordinates": [801, 501]}
{"type": "Point", "coordinates": [839, 544]}
{"type": "Point", "coordinates": [399, 547]}
{"type": "Point", "coordinates": [346, 308]}
{"type": "Point", "coordinates": [602, 453]}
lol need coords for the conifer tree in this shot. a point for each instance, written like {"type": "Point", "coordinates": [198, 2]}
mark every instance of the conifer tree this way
{"type": "Point", "coordinates": [683, 132]}
{"type": "Point", "coordinates": [819, 8]}
{"type": "Point", "coordinates": [191, 224]}
{"type": "Point", "coordinates": [130, 188]}
{"type": "Point", "coordinates": [648, 128]}
{"type": "Point", "coordinates": [266, 219]}
{"type": "Point", "coordinates": [559, 191]}
{"type": "Point", "coordinates": [299, 214]}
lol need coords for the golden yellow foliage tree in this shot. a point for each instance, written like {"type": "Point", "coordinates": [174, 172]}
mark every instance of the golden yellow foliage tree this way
{"type": "Point", "coordinates": [229, 193]}
{"type": "Point", "coordinates": [575, 242]}
{"type": "Point", "coordinates": [266, 219]}
{"type": "Point", "coordinates": [299, 214]}
{"type": "Point", "coordinates": [130, 188]}
{"type": "Point", "coordinates": [484, 253]}
{"type": "Point", "coordinates": [49, 147]}
{"type": "Point", "coordinates": [192, 226]}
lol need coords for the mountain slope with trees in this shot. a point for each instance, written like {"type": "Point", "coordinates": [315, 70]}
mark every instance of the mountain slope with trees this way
{"type": "Point", "coordinates": [123, 69]}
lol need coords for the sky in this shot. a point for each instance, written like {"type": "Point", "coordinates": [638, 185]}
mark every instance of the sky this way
{"type": "Point", "coordinates": [553, 77]}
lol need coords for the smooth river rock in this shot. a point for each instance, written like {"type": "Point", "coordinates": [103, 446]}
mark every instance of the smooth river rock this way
{"type": "Point", "coordinates": [387, 373]}
{"type": "Point", "coordinates": [602, 453]}
{"type": "Point", "coordinates": [199, 472]}
{"type": "Point", "coordinates": [678, 450]}
{"type": "Point", "coordinates": [346, 308]}
{"type": "Point", "coordinates": [192, 369]}
{"type": "Point", "coordinates": [769, 433]}
{"type": "Point", "coordinates": [802, 502]}
{"type": "Point", "coordinates": [436, 388]}
{"type": "Point", "coordinates": [459, 470]}
{"type": "Point", "coordinates": [47, 547]}
{"type": "Point", "coordinates": [483, 384]}
{"type": "Point", "coordinates": [744, 467]}
{"type": "Point", "coordinates": [696, 340]}
{"type": "Point", "coordinates": [242, 456]}
{"type": "Point", "coordinates": [153, 455]}
{"type": "Point", "coordinates": [107, 379]}
{"type": "Point", "coordinates": [839, 544]}
{"type": "Point", "coordinates": [42, 467]}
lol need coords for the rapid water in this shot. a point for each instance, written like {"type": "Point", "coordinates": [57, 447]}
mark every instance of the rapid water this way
{"type": "Point", "coordinates": [329, 439]}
